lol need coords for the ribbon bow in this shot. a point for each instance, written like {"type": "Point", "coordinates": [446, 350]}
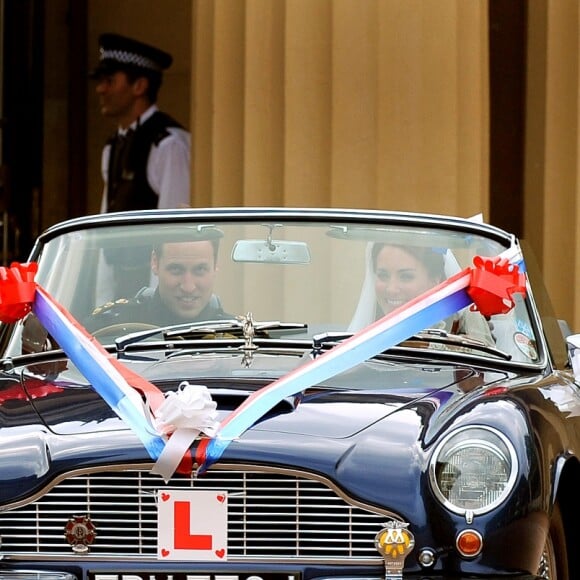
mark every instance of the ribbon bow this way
{"type": "Point", "coordinates": [494, 281]}
{"type": "Point", "coordinates": [17, 288]}
{"type": "Point", "coordinates": [184, 415]}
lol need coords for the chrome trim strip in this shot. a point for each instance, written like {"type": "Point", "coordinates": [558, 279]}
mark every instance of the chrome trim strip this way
{"type": "Point", "coordinates": [466, 443]}
{"type": "Point", "coordinates": [218, 467]}
{"type": "Point", "coordinates": [147, 559]}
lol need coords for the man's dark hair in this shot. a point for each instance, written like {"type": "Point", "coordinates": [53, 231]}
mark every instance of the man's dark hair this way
{"type": "Point", "coordinates": [158, 248]}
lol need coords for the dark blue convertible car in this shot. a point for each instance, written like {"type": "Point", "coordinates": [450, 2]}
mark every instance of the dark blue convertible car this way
{"type": "Point", "coordinates": [285, 394]}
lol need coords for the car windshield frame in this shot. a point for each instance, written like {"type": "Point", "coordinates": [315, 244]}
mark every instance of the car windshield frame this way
{"type": "Point", "coordinates": [332, 244]}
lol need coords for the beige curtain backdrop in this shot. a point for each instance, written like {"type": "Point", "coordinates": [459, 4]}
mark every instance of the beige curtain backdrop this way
{"type": "Point", "coordinates": [339, 103]}
{"type": "Point", "coordinates": [551, 212]}
{"type": "Point", "coordinates": [342, 103]}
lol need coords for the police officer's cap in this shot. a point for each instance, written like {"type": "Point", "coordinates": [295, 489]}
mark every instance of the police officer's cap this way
{"type": "Point", "coordinates": [120, 53]}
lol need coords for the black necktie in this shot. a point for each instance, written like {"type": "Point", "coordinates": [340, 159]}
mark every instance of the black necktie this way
{"type": "Point", "coordinates": [120, 149]}
{"type": "Point", "coordinates": [119, 152]}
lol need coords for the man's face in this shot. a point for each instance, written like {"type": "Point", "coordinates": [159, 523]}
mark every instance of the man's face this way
{"type": "Point", "coordinates": [186, 272]}
{"type": "Point", "coordinates": [117, 95]}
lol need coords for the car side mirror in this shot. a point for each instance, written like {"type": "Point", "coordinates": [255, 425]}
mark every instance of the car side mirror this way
{"type": "Point", "coordinates": [573, 344]}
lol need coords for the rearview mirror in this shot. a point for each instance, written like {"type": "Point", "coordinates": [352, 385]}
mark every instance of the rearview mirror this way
{"type": "Point", "coordinates": [271, 252]}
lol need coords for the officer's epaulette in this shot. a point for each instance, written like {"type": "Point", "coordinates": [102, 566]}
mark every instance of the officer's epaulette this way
{"type": "Point", "coordinates": [108, 306]}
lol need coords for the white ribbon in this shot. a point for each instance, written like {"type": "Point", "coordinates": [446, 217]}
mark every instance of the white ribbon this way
{"type": "Point", "coordinates": [183, 415]}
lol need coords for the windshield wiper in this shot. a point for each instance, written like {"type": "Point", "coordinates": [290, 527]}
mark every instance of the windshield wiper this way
{"type": "Point", "coordinates": [462, 341]}
{"type": "Point", "coordinates": [429, 335]}
{"type": "Point", "coordinates": [241, 327]}
{"type": "Point", "coordinates": [237, 327]}
{"type": "Point", "coordinates": [328, 339]}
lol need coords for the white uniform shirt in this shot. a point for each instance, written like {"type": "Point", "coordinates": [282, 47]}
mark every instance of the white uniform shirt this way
{"type": "Point", "coordinates": [168, 167]}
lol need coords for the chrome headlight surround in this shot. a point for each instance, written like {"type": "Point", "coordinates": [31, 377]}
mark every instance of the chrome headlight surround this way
{"type": "Point", "coordinates": [473, 469]}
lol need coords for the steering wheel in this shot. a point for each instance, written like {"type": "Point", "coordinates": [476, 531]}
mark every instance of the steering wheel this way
{"type": "Point", "coordinates": [122, 328]}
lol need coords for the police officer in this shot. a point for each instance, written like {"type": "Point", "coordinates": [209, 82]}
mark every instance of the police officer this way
{"type": "Point", "coordinates": [146, 163]}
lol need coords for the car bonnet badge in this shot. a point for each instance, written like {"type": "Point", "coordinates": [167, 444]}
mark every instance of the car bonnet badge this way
{"type": "Point", "coordinates": [80, 533]}
{"type": "Point", "coordinates": [394, 542]}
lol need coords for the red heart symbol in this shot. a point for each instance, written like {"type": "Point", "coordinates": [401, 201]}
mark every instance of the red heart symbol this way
{"type": "Point", "coordinates": [221, 498]}
{"type": "Point", "coordinates": [220, 553]}
{"type": "Point", "coordinates": [165, 496]}
{"type": "Point", "coordinates": [164, 553]}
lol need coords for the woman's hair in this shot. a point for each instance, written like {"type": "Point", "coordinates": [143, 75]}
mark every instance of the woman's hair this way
{"type": "Point", "coordinates": [432, 259]}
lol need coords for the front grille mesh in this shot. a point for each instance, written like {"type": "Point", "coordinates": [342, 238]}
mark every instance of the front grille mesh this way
{"type": "Point", "coordinates": [271, 516]}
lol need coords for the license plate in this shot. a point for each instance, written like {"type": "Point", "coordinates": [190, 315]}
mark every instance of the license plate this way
{"type": "Point", "coordinates": [190, 576]}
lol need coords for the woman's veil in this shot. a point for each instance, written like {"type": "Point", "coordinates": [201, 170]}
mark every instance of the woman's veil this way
{"type": "Point", "coordinates": [365, 312]}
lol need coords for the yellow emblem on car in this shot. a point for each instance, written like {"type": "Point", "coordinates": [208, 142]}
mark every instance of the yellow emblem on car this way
{"type": "Point", "coordinates": [394, 542]}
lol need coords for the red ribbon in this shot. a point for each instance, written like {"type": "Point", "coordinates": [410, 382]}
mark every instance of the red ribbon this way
{"type": "Point", "coordinates": [17, 288]}
{"type": "Point", "coordinates": [494, 281]}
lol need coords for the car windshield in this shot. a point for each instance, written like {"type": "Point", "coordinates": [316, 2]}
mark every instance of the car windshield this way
{"type": "Point", "coordinates": [325, 276]}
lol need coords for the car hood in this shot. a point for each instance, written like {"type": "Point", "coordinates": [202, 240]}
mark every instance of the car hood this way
{"type": "Point", "coordinates": [344, 405]}
{"type": "Point", "coordinates": [61, 423]}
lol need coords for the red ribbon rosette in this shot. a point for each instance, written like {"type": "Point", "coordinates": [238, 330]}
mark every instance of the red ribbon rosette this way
{"type": "Point", "coordinates": [494, 281]}
{"type": "Point", "coordinates": [17, 288]}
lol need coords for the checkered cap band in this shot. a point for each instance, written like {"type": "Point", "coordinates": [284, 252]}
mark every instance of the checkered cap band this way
{"type": "Point", "coordinates": [130, 58]}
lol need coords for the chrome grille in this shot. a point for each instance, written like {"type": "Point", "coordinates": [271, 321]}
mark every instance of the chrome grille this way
{"type": "Point", "coordinates": [271, 515]}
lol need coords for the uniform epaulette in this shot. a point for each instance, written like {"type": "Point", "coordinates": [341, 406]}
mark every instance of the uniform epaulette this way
{"type": "Point", "coordinates": [108, 306]}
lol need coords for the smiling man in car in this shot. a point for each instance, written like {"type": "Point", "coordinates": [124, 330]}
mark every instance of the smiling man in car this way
{"type": "Point", "coordinates": [182, 289]}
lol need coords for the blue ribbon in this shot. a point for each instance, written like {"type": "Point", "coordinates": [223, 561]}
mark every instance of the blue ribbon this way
{"type": "Point", "coordinates": [98, 370]}
{"type": "Point", "coordinates": [432, 307]}
{"type": "Point", "coordinates": [423, 312]}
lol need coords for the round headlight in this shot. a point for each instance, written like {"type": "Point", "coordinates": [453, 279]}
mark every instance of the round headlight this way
{"type": "Point", "coordinates": [473, 469]}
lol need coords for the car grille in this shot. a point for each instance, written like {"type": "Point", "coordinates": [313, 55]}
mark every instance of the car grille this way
{"type": "Point", "coordinates": [271, 515]}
